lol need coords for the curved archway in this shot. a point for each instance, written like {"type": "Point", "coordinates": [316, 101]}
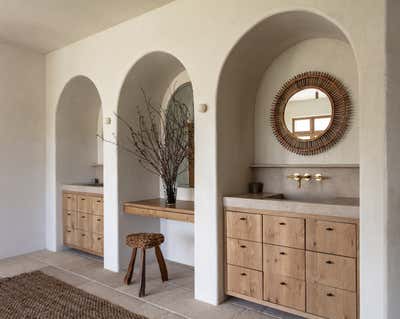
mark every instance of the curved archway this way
{"type": "Point", "coordinates": [157, 74]}
{"type": "Point", "coordinates": [250, 77]}
{"type": "Point", "coordinates": [78, 121]}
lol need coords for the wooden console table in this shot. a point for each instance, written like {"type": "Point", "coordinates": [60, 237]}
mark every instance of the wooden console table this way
{"type": "Point", "coordinates": [182, 211]}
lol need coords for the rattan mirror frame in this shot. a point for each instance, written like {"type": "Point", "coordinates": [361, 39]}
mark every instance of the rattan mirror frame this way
{"type": "Point", "coordinates": [341, 107]}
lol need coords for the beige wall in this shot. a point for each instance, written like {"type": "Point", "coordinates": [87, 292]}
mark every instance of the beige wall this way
{"type": "Point", "coordinates": [22, 156]}
{"type": "Point", "coordinates": [202, 42]}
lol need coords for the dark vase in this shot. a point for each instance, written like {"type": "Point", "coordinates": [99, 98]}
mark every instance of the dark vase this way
{"type": "Point", "coordinates": [170, 194]}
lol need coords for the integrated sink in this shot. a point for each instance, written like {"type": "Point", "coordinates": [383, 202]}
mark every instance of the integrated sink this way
{"type": "Point", "coordinates": [89, 184]}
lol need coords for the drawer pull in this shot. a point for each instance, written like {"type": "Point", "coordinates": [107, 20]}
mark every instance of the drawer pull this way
{"type": "Point", "coordinates": [283, 283]}
{"type": "Point", "coordinates": [68, 231]}
{"type": "Point", "coordinates": [99, 220]}
{"type": "Point", "coordinates": [243, 218]}
{"type": "Point", "coordinates": [330, 262]}
{"type": "Point", "coordinates": [242, 246]}
{"type": "Point", "coordinates": [329, 229]}
{"type": "Point", "coordinates": [330, 294]}
{"type": "Point", "coordinates": [282, 253]}
{"type": "Point", "coordinates": [243, 274]}
{"type": "Point", "coordinates": [282, 224]}
{"type": "Point", "coordinates": [69, 197]}
{"type": "Point", "coordinates": [69, 214]}
{"type": "Point", "coordinates": [83, 235]}
{"type": "Point", "coordinates": [82, 199]}
{"type": "Point", "coordinates": [99, 201]}
{"type": "Point", "coordinates": [83, 217]}
{"type": "Point", "coordinates": [99, 238]}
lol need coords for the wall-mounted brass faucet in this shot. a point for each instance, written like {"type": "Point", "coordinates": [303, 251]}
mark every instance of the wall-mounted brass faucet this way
{"type": "Point", "coordinates": [306, 177]}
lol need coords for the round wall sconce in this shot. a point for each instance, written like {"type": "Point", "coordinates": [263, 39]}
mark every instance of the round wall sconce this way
{"type": "Point", "coordinates": [202, 108]}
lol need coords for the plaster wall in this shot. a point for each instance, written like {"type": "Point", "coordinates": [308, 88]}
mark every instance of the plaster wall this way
{"type": "Point", "coordinates": [202, 42]}
{"type": "Point", "coordinates": [23, 151]}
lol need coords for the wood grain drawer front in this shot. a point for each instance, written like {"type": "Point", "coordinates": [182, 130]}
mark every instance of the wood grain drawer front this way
{"type": "Point", "coordinates": [244, 226]}
{"type": "Point", "coordinates": [284, 231]}
{"type": "Point", "coordinates": [96, 224]}
{"type": "Point", "coordinates": [84, 240]}
{"type": "Point", "coordinates": [332, 238]}
{"type": "Point", "coordinates": [70, 236]}
{"type": "Point", "coordinates": [69, 202]}
{"type": "Point", "coordinates": [330, 302]}
{"type": "Point", "coordinates": [244, 253]}
{"type": "Point", "coordinates": [245, 281]}
{"type": "Point", "coordinates": [285, 291]}
{"type": "Point", "coordinates": [334, 271]}
{"type": "Point", "coordinates": [284, 261]}
{"type": "Point", "coordinates": [97, 205]}
{"type": "Point", "coordinates": [84, 222]}
{"type": "Point", "coordinates": [69, 219]}
{"type": "Point", "coordinates": [97, 243]}
{"type": "Point", "coordinates": [84, 204]}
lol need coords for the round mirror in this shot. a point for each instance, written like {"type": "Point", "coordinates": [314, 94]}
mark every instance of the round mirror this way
{"type": "Point", "coordinates": [308, 114]}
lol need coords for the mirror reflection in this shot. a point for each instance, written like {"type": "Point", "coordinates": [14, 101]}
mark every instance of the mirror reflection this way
{"type": "Point", "coordinates": [308, 114]}
{"type": "Point", "coordinates": [184, 94]}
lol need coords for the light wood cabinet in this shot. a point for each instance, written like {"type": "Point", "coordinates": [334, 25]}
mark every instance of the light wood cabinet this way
{"type": "Point", "coordinates": [303, 264]}
{"type": "Point", "coordinates": [83, 222]}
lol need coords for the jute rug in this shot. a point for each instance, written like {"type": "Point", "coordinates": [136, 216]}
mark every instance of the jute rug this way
{"type": "Point", "coordinates": [38, 296]}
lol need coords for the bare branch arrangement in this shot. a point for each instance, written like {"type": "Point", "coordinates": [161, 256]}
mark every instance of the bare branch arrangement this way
{"type": "Point", "coordinates": [160, 141]}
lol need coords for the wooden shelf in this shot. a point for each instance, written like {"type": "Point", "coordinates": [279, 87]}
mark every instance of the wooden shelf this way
{"type": "Point", "coordinates": [304, 165]}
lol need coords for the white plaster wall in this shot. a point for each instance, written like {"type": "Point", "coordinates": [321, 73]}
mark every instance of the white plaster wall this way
{"type": "Point", "coordinates": [326, 55]}
{"type": "Point", "coordinates": [22, 157]}
{"type": "Point", "coordinates": [202, 42]}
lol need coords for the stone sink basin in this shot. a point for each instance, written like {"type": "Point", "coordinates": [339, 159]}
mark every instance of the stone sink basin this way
{"type": "Point", "coordinates": [334, 206]}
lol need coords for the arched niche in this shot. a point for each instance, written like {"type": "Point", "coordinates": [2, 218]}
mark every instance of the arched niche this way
{"type": "Point", "coordinates": [244, 74]}
{"type": "Point", "coordinates": [157, 73]}
{"type": "Point", "coordinates": [78, 121]}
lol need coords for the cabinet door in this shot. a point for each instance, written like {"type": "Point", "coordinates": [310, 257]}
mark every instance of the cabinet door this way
{"type": "Point", "coordinates": [84, 240]}
{"type": "Point", "coordinates": [84, 204]}
{"type": "Point", "coordinates": [97, 206]}
{"type": "Point", "coordinates": [285, 291]}
{"type": "Point", "coordinates": [332, 237]}
{"type": "Point", "coordinates": [69, 219]}
{"type": "Point", "coordinates": [244, 226]}
{"type": "Point", "coordinates": [244, 253]}
{"type": "Point", "coordinates": [70, 236]}
{"type": "Point", "coordinates": [69, 202]}
{"type": "Point", "coordinates": [245, 281]}
{"type": "Point", "coordinates": [284, 231]}
{"type": "Point", "coordinates": [284, 261]}
{"type": "Point", "coordinates": [96, 224]}
{"type": "Point", "coordinates": [331, 303]}
{"type": "Point", "coordinates": [330, 270]}
{"type": "Point", "coordinates": [84, 222]}
{"type": "Point", "coordinates": [97, 244]}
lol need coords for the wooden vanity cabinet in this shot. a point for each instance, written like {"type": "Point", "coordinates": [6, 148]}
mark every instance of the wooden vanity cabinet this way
{"type": "Point", "coordinates": [83, 222]}
{"type": "Point", "coordinates": [303, 264]}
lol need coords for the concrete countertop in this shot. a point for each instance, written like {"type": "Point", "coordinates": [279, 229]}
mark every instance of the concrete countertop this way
{"type": "Point", "coordinates": [83, 188]}
{"type": "Point", "coordinates": [335, 207]}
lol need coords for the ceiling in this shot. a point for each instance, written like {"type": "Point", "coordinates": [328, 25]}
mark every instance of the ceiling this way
{"type": "Point", "coordinates": [47, 25]}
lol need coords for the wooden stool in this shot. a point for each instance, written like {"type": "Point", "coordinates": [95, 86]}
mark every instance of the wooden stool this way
{"type": "Point", "coordinates": [145, 241]}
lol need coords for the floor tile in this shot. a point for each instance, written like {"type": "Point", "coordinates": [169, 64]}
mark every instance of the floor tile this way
{"type": "Point", "coordinates": [17, 265]}
{"type": "Point", "coordinates": [65, 276]}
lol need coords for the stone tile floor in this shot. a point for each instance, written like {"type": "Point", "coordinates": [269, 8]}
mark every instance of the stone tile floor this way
{"type": "Point", "coordinates": [170, 300]}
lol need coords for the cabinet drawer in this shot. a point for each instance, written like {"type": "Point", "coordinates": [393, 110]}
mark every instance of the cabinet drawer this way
{"type": "Point", "coordinates": [70, 236]}
{"type": "Point", "coordinates": [332, 238]}
{"type": "Point", "coordinates": [84, 204]}
{"type": "Point", "coordinates": [283, 231]}
{"type": "Point", "coordinates": [330, 270]}
{"type": "Point", "coordinates": [84, 221]}
{"type": "Point", "coordinates": [244, 226]}
{"type": "Point", "coordinates": [69, 219]}
{"type": "Point", "coordinates": [97, 243]}
{"type": "Point", "coordinates": [97, 206]}
{"type": "Point", "coordinates": [284, 261]}
{"type": "Point", "coordinates": [244, 253]}
{"type": "Point", "coordinates": [330, 302]}
{"type": "Point", "coordinates": [84, 240]}
{"type": "Point", "coordinates": [285, 291]}
{"type": "Point", "coordinates": [245, 281]}
{"type": "Point", "coordinates": [69, 202]}
{"type": "Point", "coordinates": [96, 224]}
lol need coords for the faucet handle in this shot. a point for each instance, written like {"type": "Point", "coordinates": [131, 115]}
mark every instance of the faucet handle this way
{"type": "Point", "coordinates": [307, 176]}
{"type": "Point", "coordinates": [319, 177]}
{"type": "Point", "coordinates": [294, 176]}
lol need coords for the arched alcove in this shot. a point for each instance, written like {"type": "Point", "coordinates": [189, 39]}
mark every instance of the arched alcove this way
{"type": "Point", "coordinates": [156, 73]}
{"type": "Point", "coordinates": [78, 117]}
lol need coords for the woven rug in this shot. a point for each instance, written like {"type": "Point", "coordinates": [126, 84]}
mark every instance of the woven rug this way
{"type": "Point", "coordinates": [36, 295]}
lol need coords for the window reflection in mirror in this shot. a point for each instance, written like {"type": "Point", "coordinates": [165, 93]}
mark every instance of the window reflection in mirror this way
{"type": "Point", "coordinates": [308, 114]}
{"type": "Point", "coordinates": [184, 94]}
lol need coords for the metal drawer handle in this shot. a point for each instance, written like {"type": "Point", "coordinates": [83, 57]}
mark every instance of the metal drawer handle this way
{"type": "Point", "coordinates": [330, 294]}
{"type": "Point", "coordinates": [243, 274]}
{"type": "Point", "coordinates": [283, 283]}
{"type": "Point", "coordinates": [282, 253]}
{"type": "Point", "coordinates": [330, 262]}
{"type": "Point", "coordinates": [68, 231]}
{"type": "Point", "coordinates": [83, 217]}
{"type": "Point", "coordinates": [69, 197]}
{"type": "Point", "coordinates": [329, 229]}
{"type": "Point", "coordinates": [99, 220]}
{"type": "Point", "coordinates": [242, 246]}
{"type": "Point", "coordinates": [99, 238]}
{"type": "Point", "coordinates": [83, 235]}
{"type": "Point", "coordinates": [243, 218]}
{"type": "Point", "coordinates": [69, 214]}
{"type": "Point", "coordinates": [283, 224]}
{"type": "Point", "coordinates": [99, 201]}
